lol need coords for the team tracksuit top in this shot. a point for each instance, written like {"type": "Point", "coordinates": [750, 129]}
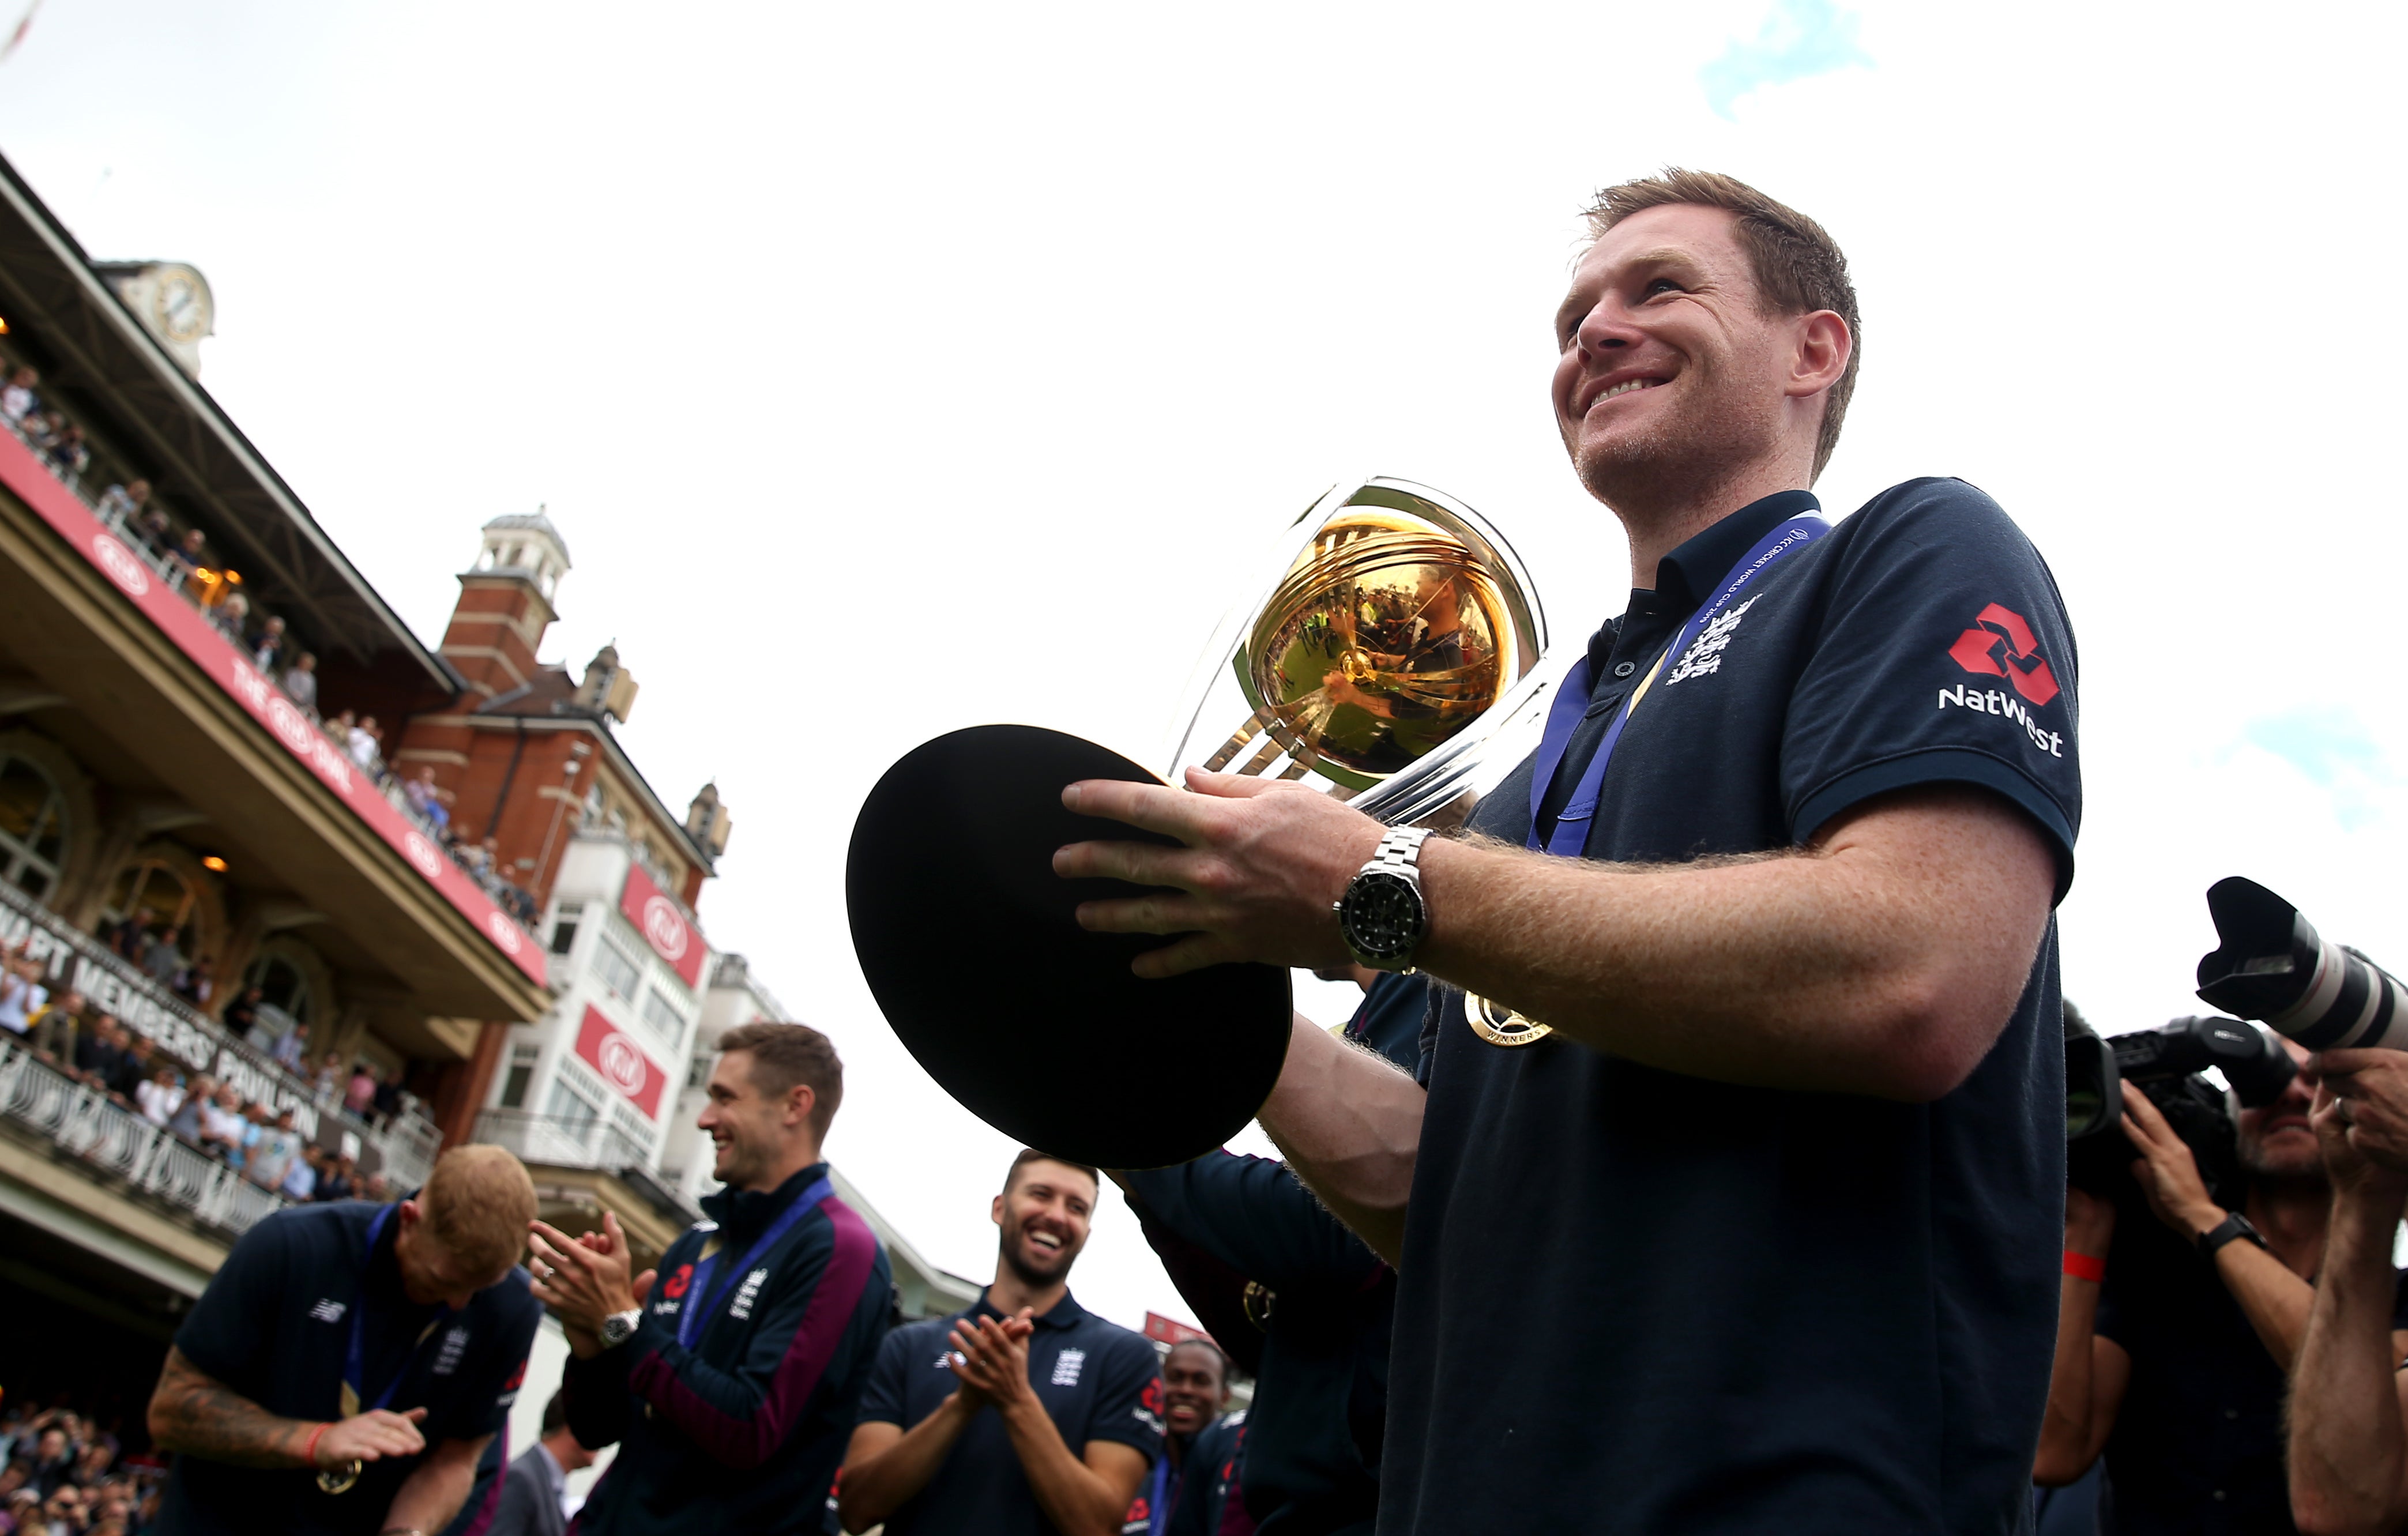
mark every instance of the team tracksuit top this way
{"type": "Point", "coordinates": [744, 1430]}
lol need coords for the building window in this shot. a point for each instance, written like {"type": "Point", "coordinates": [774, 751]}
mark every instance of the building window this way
{"type": "Point", "coordinates": [663, 1016]}
{"type": "Point", "coordinates": [32, 826]}
{"type": "Point", "coordinates": [575, 1112]}
{"type": "Point", "coordinates": [514, 1084]}
{"type": "Point", "coordinates": [698, 1072]}
{"type": "Point", "coordinates": [281, 986]}
{"type": "Point", "coordinates": [158, 897]}
{"type": "Point", "coordinates": [619, 973]}
{"type": "Point", "coordinates": [563, 930]}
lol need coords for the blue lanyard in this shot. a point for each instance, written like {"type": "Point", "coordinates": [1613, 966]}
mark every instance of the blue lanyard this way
{"type": "Point", "coordinates": [354, 1363]}
{"type": "Point", "coordinates": [1157, 1516]}
{"type": "Point", "coordinates": [1571, 837]}
{"type": "Point", "coordinates": [689, 1321]}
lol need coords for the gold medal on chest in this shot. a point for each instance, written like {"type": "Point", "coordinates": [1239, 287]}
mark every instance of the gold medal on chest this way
{"type": "Point", "coordinates": [1502, 1026]}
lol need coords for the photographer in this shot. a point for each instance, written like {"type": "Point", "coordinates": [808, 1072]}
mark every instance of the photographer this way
{"type": "Point", "coordinates": [2173, 1360]}
{"type": "Point", "coordinates": [2349, 1455]}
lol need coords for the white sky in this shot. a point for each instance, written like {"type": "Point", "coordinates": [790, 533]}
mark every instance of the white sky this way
{"type": "Point", "coordinates": [894, 369]}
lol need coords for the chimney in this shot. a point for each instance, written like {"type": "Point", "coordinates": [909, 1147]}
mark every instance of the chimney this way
{"type": "Point", "coordinates": [506, 604]}
{"type": "Point", "coordinates": [609, 688]}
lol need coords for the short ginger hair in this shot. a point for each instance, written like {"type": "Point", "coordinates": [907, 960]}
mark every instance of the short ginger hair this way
{"type": "Point", "coordinates": [785, 1055]}
{"type": "Point", "coordinates": [478, 1203]}
{"type": "Point", "coordinates": [1798, 268]}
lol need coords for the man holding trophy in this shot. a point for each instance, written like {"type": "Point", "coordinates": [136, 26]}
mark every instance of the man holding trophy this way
{"type": "Point", "coordinates": [1715, 1197]}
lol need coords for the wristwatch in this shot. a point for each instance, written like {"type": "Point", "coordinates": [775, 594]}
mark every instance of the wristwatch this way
{"type": "Point", "coordinates": [2234, 1225]}
{"type": "Point", "coordinates": [620, 1327]}
{"type": "Point", "coordinates": [1381, 917]}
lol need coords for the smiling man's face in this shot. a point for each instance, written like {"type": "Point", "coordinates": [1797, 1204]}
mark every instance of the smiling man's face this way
{"type": "Point", "coordinates": [2277, 1141]}
{"type": "Point", "coordinates": [1044, 1216]}
{"type": "Point", "coordinates": [1667, 373]}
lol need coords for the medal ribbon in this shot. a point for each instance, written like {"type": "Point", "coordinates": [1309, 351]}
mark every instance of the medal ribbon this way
{"type": "Point", "coordinates": [1157, 1518]}
{"type": "Point", "coordinates": [690, 1322]}
{"type": "Point", "coordinates": [354, 1364]}
{"type": "Point", "coordinates": [1571, 837]}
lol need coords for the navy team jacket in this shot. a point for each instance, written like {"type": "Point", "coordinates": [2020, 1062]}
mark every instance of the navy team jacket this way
{"type": "Point", "coordinates": [745, 1430]}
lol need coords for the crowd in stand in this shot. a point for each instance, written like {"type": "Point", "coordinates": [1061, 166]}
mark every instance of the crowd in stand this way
{"type": "Point", "coordinates": [130, 510]}
{"type": "Point", "coordinates": [255, 1140]}
{"type": "Point", "coordinates": [61, 1474]}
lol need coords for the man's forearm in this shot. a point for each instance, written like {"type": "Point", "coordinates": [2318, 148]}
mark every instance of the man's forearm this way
{"type": "Point", "coordinates": [1349, 1124]}
{"type": "Point", "coordinates": [2067, 1443]}
{"type": "Point", "coordinates": [2349, 1467]}
{"type": "Point", "coordinates": [1884, 961]}
{"type": "Point", "coordinates": [2274, 1300]}
{"type": "Point", "coordinates": [872, 1490]}
{"type": "Point", "coordinates": [1072, 1496]}
{"type": "Point", "coordinates": [431, 1496]}
{"type": "Point", "coordinates": [192, 1413]}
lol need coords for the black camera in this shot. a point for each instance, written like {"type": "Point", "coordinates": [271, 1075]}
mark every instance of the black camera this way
{"type": "Point", "coordinates": [2271, 964]}
{"type": "Point", "coordinates": [2165, 1063]}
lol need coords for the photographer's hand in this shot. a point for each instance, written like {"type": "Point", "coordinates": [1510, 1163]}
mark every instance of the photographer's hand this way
{"type": "Point", "coordinates": [2168, 1173]}
{"type": "Point", "coordinates": [2372, 1087]}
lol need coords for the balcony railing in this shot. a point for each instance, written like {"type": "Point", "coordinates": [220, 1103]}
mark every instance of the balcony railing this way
{"type": "Point", "coordinates": [83, 1120]}
{"type": "Point", "coordinates": [402, 1148]}
{"type": "Point", "coordinates": [563, 1143]}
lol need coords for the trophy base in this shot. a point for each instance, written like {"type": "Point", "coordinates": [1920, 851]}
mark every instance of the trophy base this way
{"type": "Point", "coordinates": [971, 944]}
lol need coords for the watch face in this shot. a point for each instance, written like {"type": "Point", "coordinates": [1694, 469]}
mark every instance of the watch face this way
{"type": "Point", "coordinates": [182, 310]}
{"type": "Point", "coordinates": [1382, 914]}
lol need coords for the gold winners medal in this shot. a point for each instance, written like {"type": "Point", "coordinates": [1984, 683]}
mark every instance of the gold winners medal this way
{"type": "Point", "coordinates": [338, 1479]}
{"type": "Point", "coordinates": [1499, 1025]}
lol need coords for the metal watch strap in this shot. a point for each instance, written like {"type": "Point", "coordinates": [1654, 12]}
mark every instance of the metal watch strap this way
{"type": "Point", "coordinates": [2234, 1226]}
{"type": "Point", "coordinates": [628, 1322]}
{"type": "Point", "coordinates": [1398, 852]}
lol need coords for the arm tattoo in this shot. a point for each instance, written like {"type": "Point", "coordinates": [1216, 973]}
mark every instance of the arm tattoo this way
{"type": "Point", "coordinates": [192, 1413]}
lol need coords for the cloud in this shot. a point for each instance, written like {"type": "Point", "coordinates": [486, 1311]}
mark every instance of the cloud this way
{"type": "Point", "coordinates": [2331, 748]}
{"type": "Point", "coordinates": [1800, 39]}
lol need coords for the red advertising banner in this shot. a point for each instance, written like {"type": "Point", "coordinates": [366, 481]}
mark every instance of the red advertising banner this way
{"type": "Point", "coordinates": [199, 640]}
{"type": "Point", "coordinates": [1169, 1330]}
{"type": "Point", "coordinates": [612, 1052]}
{"type": "Point", "coordinates": [663, 925]}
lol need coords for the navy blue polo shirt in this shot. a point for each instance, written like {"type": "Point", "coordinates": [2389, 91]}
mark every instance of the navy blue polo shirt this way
{"type": "Point", "coordinates": [275, 1326]}
{"type": "Point", "coordinates": [1634, 1300]}
{"type": "Point", "coordinates": [1099, 1381]}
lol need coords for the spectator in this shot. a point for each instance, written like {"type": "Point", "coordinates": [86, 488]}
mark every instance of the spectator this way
{"type": "Point", "coordinates": [300, 1181]}
{"type": "Point", "coordinates": [68, 453]}
{"type": "Point", "coordinates": [363, 742]}
{"type": "Point", "coordinates": [255, 1136]}
{"type": "Point", "coordinates": [160, 1097]}
{"type": "Point", "coordinates": [388, 1099]}
{"type": "Point", "coordinates": [53, 1461]}
{"type": "Point", "coordinates": [241, 1016]}
{"type": "Point", "coordinates": [2174, 1369]}
{"type": "Point", "coordinates": [224, 1126]}
{"type": "Point", "coordinates": [18, 399]}
{"type": "Point", "coordinates": [329, 1082]}
{"type": "Point", "coordinates": [189, 1120]}
{"type": "Point", "coordinates": [104, 1058]}
{"type": "Point", "coordinates": [362, 1090]}
{"type": "Point", "coordinates": [195, 982]}
{"type": "Point", "coordinates": [301, 682]}
{"type": "Point", "coordinates": [40, 429]}
{"type": "Point", "coordinates": [338, 1180]}
{"type": "Point", "coordinates": [232, 616]}
{"type": "Point", "coordinates": [123, 505]}
{"type": "Point", "coordinates": [20, 996]}
{"type": "Point", "coordinates": [156, 531]}
{"type": "Point", "coordinates": [277, 1149]}
{"type": "Point", "coordinates": [534, 1491]}
{"type": "Point", "coordinates": [291, 1048]}
{"type": "Point", "coordinates": [426, 797]}
{"type": "Point", "coordinates": [191, 555]}
{"type": "Point", "coordinates": [163, 954]}
{"type": "Point", "coordinates": [976, 1446]}
{"type": "Point", "coordinates": [268, 644]}
{"type": "Point", "coordinates": [58, 1030]}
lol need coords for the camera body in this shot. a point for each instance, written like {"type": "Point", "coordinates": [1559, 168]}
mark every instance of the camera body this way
{"type": "Point", "coordinates": [2164, 1063]}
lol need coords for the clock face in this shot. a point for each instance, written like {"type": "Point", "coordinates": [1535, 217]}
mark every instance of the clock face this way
{"type": "Point", "coordinates": [182, 306]}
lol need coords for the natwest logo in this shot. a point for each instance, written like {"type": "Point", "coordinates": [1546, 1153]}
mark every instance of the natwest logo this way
{"type": "Point", "coordinates": [1978, 650]}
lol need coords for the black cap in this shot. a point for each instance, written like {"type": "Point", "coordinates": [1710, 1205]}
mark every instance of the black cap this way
{"type": "Point", "coordinates": [970, 943]}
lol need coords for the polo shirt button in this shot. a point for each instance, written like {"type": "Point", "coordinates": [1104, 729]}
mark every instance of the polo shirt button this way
{"type": "Point", "coordinates": [2232, 1412]}
{"type": "Point", "coordinates": [1623, 669]}
{"type": "Point", "coordinates": [2217, 1496]}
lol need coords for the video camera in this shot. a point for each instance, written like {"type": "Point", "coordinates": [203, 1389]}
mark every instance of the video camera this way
{"type": "Point", "coordinates": [2165, 1063]}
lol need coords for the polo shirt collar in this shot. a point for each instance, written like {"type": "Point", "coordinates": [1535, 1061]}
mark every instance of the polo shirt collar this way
{"type": "Point", "coordinates": [748, 1211]}
{"type": "Point", "coordinates": [1685, 578]}
{"type": "Point", "coordinates": [1066, 1312]}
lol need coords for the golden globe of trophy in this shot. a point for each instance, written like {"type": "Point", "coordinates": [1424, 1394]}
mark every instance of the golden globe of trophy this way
{"type": "Point", "coordinates": [1393, 658]}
